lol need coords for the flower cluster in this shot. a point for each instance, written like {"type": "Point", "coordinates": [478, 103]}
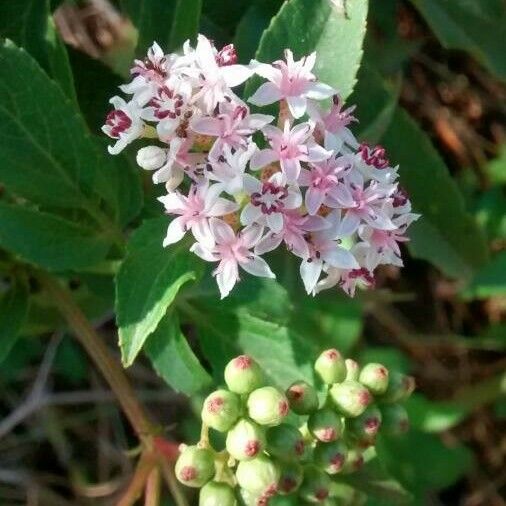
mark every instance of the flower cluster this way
{"type": "Point", "coordinates": [242, 186]}
{"type": "Point", "coordinates": [266, 455]}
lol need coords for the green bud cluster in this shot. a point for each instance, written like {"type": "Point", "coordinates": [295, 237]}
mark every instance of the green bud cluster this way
{"type": "Point", "coordinates": [268, 453]}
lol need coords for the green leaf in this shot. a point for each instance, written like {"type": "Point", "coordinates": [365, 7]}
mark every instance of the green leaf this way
{"type": "Point", "coordinates": [173, 359]}
{"type": "Point", "coordinates": [442, 234]}
{"type": "Point", "coordinates": [254, 319]}
{"type": "Point", "coordinates": [29, 24]}
{"type": "Point", "coordinates": [306, 26]}
{"type": "Point", "coordinates": [489, 281]}
{"type": "Point", "coordinates": [431, 416]}
{"type": "Point", "coordinates": [48, 154]}
{"type": "Point", "coordinates": [251, 26]}
{"type": "Point", "coordinates": [476, 27]}
{"type": "Point", "coordinates": [407, 458]}
{"type": "Point", "coordinates": [185, 24]}
{"type": "Point", "coordinates": [167, 22]}
{"type": "Point", "coordinates": [13, 310]}
{"type": "Point", "coordinates": [49, 241]}
{"type": "Point", "coordinates": [147, 283]}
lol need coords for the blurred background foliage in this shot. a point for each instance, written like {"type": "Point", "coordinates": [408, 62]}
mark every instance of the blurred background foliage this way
{"type": "Point", "coordinates": [428, 80]}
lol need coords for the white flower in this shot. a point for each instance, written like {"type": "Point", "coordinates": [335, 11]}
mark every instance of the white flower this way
{"type": "Point", "coordinates": [292, 81]}
{"type": "Point", "coordinates": [269, 201]}
{"type": "Point", "coordinates": [203, 202]}
{"type": "Point", "coordinates": [123, 123]}
{"type": "Point", "coordinates": [233, 251]}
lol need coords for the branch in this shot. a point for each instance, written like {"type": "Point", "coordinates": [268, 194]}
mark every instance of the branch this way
{"type": "Point", "coordinates": [99, 353]}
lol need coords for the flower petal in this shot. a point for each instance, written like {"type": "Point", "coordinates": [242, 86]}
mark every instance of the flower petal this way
{"type": "Point", "coordinates": [262, 158]}
{"type": "Point", "coordinates": [314, 199]}
{"type": "Point", "coordinates": [222, 232]}
{"type": "Point", "coordinates": [297, 106]}
{"type": "Point", "coordinates": [250, 214]}
{"type": "Point", "coordinates": [234, 75]}
{"type": "Point", "coordinates": [266, 94]}
{"type": "Point", "coordinates": [275, 222]}
{"type": "Point", "coordinates": [257, 266]}
{"type": "Point", "coordinates": [320, 91]}
{"type": "Point", "coordinates": [269, 243]}
{"type": "Point", "coordinates": [227, 275]}
{"type": "Point", "coordinates": [310, 271]}
{"type": "Point", "coordinates": [340, 257]}
{"type": "Point", "coordinates": [175, 231]}
{"type": "Point", "coordinates": [207, 126]}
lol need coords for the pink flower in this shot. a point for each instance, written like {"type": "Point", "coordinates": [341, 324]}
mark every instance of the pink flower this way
{"type": "Point", "coordinates": [215, 80]}
{"type": "Point", "coordinates": [323, 182]}
{"type": "Point", "coordinates": [290, 80]}
{"type": "Point", "coordinates": [382, 246]}
{"type": "Point", "coordinates": [269, 201]}
{"type": "Point", "coordinates": [368, 204]}
{"type": "Point", "coordinates": [334, 123]}
{"type": "Point", "coordinates": [294, 232]}
{"type": "Point", "coordinates": [347, 280]}
{"type": "Point", "coordinates": [373, 164]}
{"type": "Point", "coordinates": [290, 147]}
{"type": "Point", "coordinates": [233, 126]}
{"type": "Point", "coordinates": [123, 123]}
{"type": "Point", "coordinates": [203, 202]}
{"type": "Point", "coordinates": [233, 251]}
{"type": "Point", "coordinates": [325, 250]}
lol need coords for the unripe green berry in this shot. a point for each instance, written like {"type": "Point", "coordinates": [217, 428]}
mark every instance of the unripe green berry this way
{"type": "Point", "coordinates": [395, 419]}
{"type": "Point", "coordinates": [221, 410]}
{"type": "Point", "coordinates": [267, 406]}
{"type": "Point", "coordinates": [195, 466]}
{"type": "Point", "coordinates": [243, 375]}
{"type": "Point", "coordinates": [330, 367]}
{"type": "Point", "coordinates": [352, 370]}
{"type": "Point", "coordinates": [258, 476]}
{"type": "Point", "coordinates": [350, 397]}
{"type": "Point", "coordinates": [245, 440]}
{"type": "Point", "coordinates": [316, 485]}
{"type": "Point", "coordinates": [285, 442]}
{"type": "Point", "coordinates": [330, 456]}
{"type": "Point", "coordinates": [375, 378]}
{"type": "Point", "coordinates": [400, 387]}
{"type": "Point", "coordinates": [354, 461]}
{"type": "Point", "coordinates": [363, 428]}
{"type": "Point", "coordinates": [302, 397]}
{"type": "Point", "coordinates": [325, 425]}
{"type": "Point", "coordinates": [290, 478]}
{"type": "Point", "coordinates": [216, 493]}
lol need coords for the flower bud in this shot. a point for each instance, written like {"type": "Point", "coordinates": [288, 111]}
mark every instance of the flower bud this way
{"type": "Point", "coordinates": [285, 442]}
{"type": "Point", "coordinates": [259, 476]}
{"type": "Point", "coordinates": [315, 487]}
{"type": "Point", "coordinates": [350, 397]}
{"type": "Point", "coordinates": [216, 493]}
{"type": "Point", "coordinates": [243, 375]}
{"type": "Point", "coordinates": [375, 378]}
{"type": "Point", "coordinates": [195, 466]}
{"type": "Point", "coordinates": [354, 461]}
{"type": "Point", "coordinates": [221, 410]}
{"type": "Point", "coordinates": [302, 397]}
{"type": "Point", "coordinates": [395, 420]}
{"type": "Point", "coordinates": [290, 478]}
{"type": "Point", "coordinates": [363, 428]}
{"type": "Point", "coordinates": [175, 179]}
{"type": "Point", "coordinates": [352, 369]}
{"type": "Point", "coordinates": [325, 425]}
{"type": "Point", "coordinates": [330, 367]}
{"type": "Point", "coordinates": [400, 387]}
{"type": "Point", "coordinates": [330, 456]}
{"type": "Point", "coordinates": [245, 440]}
{"type": "Point", "coordinates": [151, 157]}
{"type": "Point", "coordinates": [267, 406]}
